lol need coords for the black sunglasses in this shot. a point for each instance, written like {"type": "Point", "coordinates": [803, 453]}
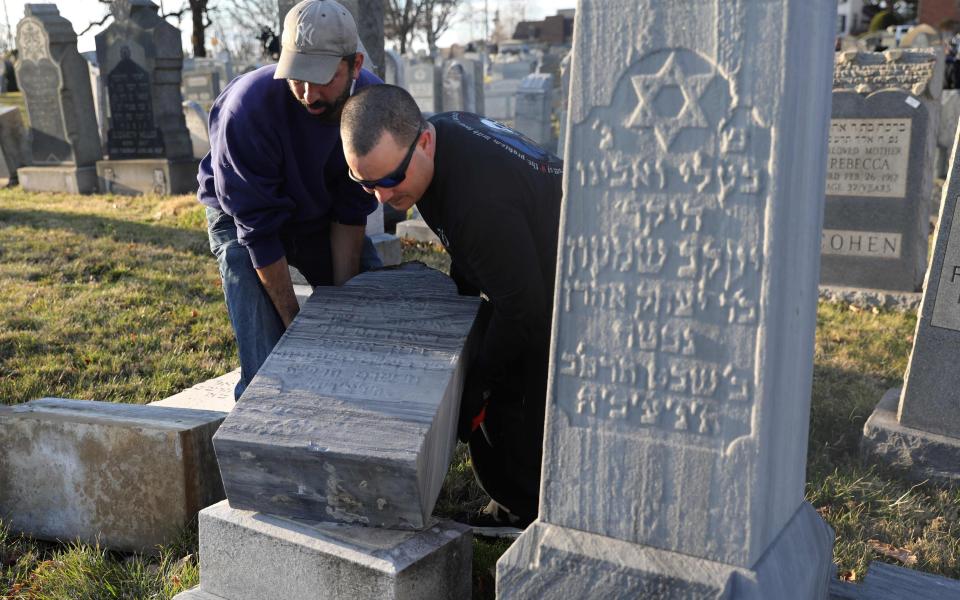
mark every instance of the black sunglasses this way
{"type": "Point", "coordinates": [396, 177]}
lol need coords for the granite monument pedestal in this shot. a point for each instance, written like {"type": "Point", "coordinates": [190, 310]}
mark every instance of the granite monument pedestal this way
{"type": "Point", "coordinates": [147, 176]}
{"type": "Point", "coordinates": [67, 179]}
{"type": "Point", "coordinates": [247, 555]}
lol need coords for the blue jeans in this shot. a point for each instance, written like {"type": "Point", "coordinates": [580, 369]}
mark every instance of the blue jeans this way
{"type": "Point", "coordinates": [255, 321]}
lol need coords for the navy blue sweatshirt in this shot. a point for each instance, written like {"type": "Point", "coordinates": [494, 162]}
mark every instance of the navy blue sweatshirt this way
{"type": "Point", "coordinates": [275, 168]}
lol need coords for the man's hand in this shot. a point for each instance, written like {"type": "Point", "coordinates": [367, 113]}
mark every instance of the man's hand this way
{"type": "Point", "coordinates": [346, 243]}
{"type": "Point", "coordinates": [276, 280]}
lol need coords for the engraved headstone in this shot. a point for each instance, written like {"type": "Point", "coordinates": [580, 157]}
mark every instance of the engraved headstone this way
{"type": "Point", "coordinates": [13, 144]}
{"type": "Point", "coordinates": [352, 417]}
{"type": "Point", "coordinates": [196, 119]}
{"type": "Point", "coordinates": [463, 86]}
{"type": "Point", "coordinates": [918, 429]}
{"type": "Point", "coordinates": [55, 81]}
{"type": "Point", "coordinates": [201, 86]}
{"type": "Point", "coordinates": [148, 144]}
{"type": "Point", "coordinates": [682, 351]}
{"type": "Point", "coordinates": [879, 176]}
{"type": "Point", "coordinates": [423, 83]}
{"type": "Point", "coordinates": [535, 109]}
{"type": "Point", "coordinates": [883, 137]}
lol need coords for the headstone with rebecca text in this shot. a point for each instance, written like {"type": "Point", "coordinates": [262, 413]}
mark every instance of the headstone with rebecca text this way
{"type": "Point", "coordinates": [148, 144]}
{"type": "Point", "coordinates": [682, 348]}
{"type": "Point", "coordinates": [917, 429]}
{"type": "Point", "coordinates": [64, 141]}
{"type": "Point", "coordinates": [877, 213]}
{"type": "Point", "coordinates": [883, 139]}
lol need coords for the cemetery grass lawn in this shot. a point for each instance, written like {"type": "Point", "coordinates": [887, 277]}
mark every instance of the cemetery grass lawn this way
{"type": "Point", "coordinates": [118, 299]}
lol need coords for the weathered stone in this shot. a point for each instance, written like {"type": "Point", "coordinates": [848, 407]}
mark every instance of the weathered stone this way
{"type": "Point", "coordinates": [865, 298]}
{"type": "Point", "coordinates": [922, 434]}
{"type": "Point", "coordinates": [949, 116]}
{"type": "Point", "coordinates": [147, 176]}
{"type": "Point", "coordinates": [196, 119]}
{"type": "Point", "coordinates": [352, 418]}
{"type": "Point", "coordinates": [213, 394]}
{"type": "Point", "coordinates": [129, 476]}
{"type": "Point", "coordinates": [534, 110]}
{"type": "Point", "coordinates": [879, 175]}
{"type": "Point", "coordinates": [500, 100]}
{"type": "Point", "coordinates": [201, 86]}
{"type": "Point", "coordinates": [917, 70]}
{"type": "Point", "coordinates": [64, 179]}
{"type": "Point", "coordinates": [13, 144]}
{"type": "Point", "coordinates": [393, 69]}
{"type": "Point", "coordinates": [424, 84]}
{"type": "Point", "coordinates": [389, 248]}
{"type": "Point", "coordinates": [254, 556]}
{"type": "Point", "coordinates": [922, 455]}
{"type": "Point", "coordinates": [682, 349]}
{"type": "Point", "coordinates": [890, 582]}
{"type": "Point", "coordinates": [463, 86]}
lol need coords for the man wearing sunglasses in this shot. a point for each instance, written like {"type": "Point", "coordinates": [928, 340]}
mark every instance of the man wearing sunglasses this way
{"type": "Point", "coordinates": [492, 196]}
{"type": "Point", "coordinates": [275, 182]}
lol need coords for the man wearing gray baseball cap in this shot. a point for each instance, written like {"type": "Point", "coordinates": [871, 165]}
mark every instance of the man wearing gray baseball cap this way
{"type": "Point", "coordinates": [275, 180]}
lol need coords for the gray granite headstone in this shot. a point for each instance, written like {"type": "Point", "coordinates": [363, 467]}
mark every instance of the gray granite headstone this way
{"type": "Point", "coordinates": [918, 430]}
{"type": "Point", "coordinates": [352, 418]}
{"type": "Point", "coordinates": [949, 116]}
{"type": "Point", "coordinates": [393, 69]}
{"type": "Point", "coordinates": [500, 100]}
{"type": "Point", "coordinates": [463, 86]}
{"type": "Point", "coordinates": [140, 58]}
{"type": "Point", "coordinates": [423, 83]}
{"type": "Point", "coordinates": [683, 334]}
{"type": "Point", "coordinates": [13, 144]}
{"type": "Point", "coordinates": [535, 108]}
{"type": "Point", "coordinates": [55, 82]}
{"type": "Point", "coordinates": [196, 119]}
{"type": "Point", "coordinates": [879, 175]}
{"type": "Point", "coordinates": [201, 86]}
{"type": "Point", "coordinates": [564, 99]}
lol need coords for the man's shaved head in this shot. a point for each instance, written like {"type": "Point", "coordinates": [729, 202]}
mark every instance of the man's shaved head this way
{"type": "Point", "coordinates": [375, 109]}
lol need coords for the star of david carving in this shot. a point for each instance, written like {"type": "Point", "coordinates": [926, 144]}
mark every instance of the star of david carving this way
{"type": "Point", "coordinates": [648, 87]}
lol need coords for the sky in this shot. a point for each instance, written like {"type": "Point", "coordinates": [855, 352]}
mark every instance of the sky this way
{"type": "Point", "coordinates": [82, 12]}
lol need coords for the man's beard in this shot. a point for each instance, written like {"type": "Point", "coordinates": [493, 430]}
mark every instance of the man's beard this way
{"type": "Point", "coordinates": [331, 110]}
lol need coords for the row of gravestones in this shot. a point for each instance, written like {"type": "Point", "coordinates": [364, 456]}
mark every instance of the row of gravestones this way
{"type": "Point", "coordinates": [148, 146]}
{"type": "Point", "coordinates": [516, 98]}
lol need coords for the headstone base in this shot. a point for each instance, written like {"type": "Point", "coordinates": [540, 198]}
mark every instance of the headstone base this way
{"type": "Point", "coordinates": [865, 298]}
{"type": "Point", "coordinates": [550, 561]}
{"type": "Point", "coordinates": [66, 179]}
{"type": "Point", "coordinates": [919, 454]}
{"type": "Point", "coordinates": [147, 176]}
{"type": "Point", "coordinates": [246, 555]}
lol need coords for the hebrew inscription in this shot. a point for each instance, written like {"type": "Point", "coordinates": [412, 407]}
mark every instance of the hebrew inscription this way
{"type": "Point", "coordinates": [946, 305]}
{"type": "Point", "coordinates": [868, 157]}
{"type": "Point", "coordinates": [132, 131]}
{"type": "Point", "coordinates": [668, 296]}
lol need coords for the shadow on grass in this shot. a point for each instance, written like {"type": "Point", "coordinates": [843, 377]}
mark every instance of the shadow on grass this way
{"type": "Point", "coordinates": [163, 236]}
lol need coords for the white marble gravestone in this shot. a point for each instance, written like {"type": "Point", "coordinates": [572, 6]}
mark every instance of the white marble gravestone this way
{"type": "Point", "coordinates": [682, 351]}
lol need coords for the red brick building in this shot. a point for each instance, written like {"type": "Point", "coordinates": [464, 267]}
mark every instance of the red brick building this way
{"type": "Point", "coordinates": [934, 12]}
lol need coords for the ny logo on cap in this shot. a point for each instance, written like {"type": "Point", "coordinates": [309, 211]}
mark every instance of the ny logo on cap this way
{"type": "Point", "coordinates": [305, 33]}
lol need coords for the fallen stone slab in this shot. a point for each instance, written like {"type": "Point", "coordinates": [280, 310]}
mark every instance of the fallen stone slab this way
{"type": "Point", "coordinates": [213, 394]}
{"type": "Point", "coordinates": [130, 476]}
{"type": "Point", "coordinates": [890, 582]}
{"type": "Point", "coordinates": [352, 418]}
{"type": "Point", "coordinates": [247, 555]}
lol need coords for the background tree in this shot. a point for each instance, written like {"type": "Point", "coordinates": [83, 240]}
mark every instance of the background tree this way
{"type": "Point", "coordinates": [436, 17]}
{"type": "Point", "coordinates": [400, 19]}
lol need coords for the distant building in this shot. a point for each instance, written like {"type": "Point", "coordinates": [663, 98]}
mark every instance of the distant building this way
{"type": "Point", "coordinates": [935, 12]}
{"type": "Point", "coordinates": [557, 29]}
{"type": "Point", "coordinates": [850, 20]}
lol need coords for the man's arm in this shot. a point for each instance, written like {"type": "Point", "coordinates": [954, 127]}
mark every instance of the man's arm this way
{"type": "Point", "coordinates": [275, 278]}
{"type": "Point", "coordinates": [346, 243]}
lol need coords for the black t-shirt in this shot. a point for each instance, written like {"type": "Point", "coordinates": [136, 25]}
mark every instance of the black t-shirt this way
{"type": "Point", "coordinates": [494, 202]}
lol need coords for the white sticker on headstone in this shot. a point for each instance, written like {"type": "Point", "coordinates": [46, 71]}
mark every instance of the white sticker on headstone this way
{"type": "Point", "coordinates": [946, 306]}
{"type": "Point", "coordinates": [871, 244]}
{"type": "Point", "coordinates": [868, 157]}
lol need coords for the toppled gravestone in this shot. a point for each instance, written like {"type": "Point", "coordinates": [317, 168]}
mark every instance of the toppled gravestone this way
{"type": "Point", "coordinates": [334, 456]}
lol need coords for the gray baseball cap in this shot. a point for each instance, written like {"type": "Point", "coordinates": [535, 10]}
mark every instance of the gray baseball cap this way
{"type": "Point", "coordinates": [316, 35]}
